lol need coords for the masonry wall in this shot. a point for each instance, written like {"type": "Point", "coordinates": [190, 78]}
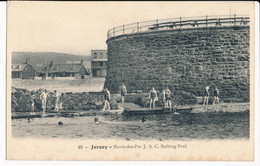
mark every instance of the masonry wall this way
{"type": "Point", "coordinates": [185, 60]}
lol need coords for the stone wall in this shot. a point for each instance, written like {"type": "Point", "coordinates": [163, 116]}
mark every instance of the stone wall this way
{"type": "Point", "coordinates": [185, 60]}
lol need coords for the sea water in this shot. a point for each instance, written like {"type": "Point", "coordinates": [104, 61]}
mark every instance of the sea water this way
{"type": "Point", "coordinates": [159, 127]}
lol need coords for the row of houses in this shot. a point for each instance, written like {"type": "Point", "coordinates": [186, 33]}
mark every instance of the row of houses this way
{"type": "Point", "coordinates": [29, 71]}
{"type": "Point", "coordinates": [98, 62]}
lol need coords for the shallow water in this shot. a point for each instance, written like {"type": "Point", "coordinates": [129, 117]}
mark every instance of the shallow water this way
{"type": "Point", "coordinates": [161, 127]}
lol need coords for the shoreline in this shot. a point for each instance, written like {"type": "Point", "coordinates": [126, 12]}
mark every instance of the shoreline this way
{"type": "Point", "coordinates": [221, 108]}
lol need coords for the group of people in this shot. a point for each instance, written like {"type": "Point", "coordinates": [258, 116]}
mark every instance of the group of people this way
{"type": "Point", "coordinates": [122, 92]}
{"type": "Point", "coordinates": [215, 94]}
{"type": "Point", "coordinates": [44, 97]}
{"type": "Point", "coordinates": [153, 96]}
{"type": "Point", "coordinates": [166, 96]}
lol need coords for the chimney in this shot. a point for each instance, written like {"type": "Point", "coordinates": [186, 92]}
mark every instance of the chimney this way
{"type": "Point", "coordinates": [51, 64]}
{"type": "Point", "coordinates": [28, 61]}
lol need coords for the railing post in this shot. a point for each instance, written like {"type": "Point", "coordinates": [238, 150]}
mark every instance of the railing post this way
{"type": "Point", "coordinates": [235, 19]}
{"type": "Point", "coordinates": [180, 22]}
{"type": "Point", "coordinates": [114, 32]}
{"type": "Point", "coordinates": [123, 29]}
{"type": "Point", "coordinates": [137, 28]}
{"type": "Point", "coordinates": [206, 20]}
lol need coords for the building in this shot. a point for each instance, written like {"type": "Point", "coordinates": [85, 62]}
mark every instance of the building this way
{"type": "Point", "coordinates": [29, 71]}
{"type": "Point", "coordinates": [185, 60]}
{"type": "Point", "coordinates": [99, 63]}
{"type": "Point", "coordinates": [67, 70]}
{"type": "Point", "coordinates": [24, 71]}
{"type": "Point", "coordinates": [41, 70]}
{"type": "Point", "coordinates": [86, 63]}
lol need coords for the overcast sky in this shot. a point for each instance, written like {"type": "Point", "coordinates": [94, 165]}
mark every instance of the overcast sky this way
{"type": "Point", "coordinates": [78, 27]}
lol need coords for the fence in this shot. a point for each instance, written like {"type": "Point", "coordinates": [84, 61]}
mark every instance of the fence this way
{"type": "Point", "coordinates": [178, 23]}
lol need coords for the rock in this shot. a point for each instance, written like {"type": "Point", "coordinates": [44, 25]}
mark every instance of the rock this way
{"type": "Point", "coordinates": [116, 97]}
{"type": "Point", "coordinates": [113, 104]}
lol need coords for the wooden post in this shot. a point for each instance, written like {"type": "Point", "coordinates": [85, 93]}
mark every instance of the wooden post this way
{"type": "Point", "coordinates": [137, 28]}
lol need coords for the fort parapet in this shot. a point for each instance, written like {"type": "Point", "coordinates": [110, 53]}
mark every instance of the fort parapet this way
{"type": "Point", "coordinates": [184, 58]}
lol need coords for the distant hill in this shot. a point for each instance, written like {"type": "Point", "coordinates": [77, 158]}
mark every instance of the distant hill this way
{"type": "Point", "coordinates": [42, 57]}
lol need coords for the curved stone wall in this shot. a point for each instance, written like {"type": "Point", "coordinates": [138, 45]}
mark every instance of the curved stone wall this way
{"type": "Point", "coordinates": [184, 60]}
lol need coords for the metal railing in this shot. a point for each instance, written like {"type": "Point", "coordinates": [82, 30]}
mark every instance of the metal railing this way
{"type": "Point", "coordinates": [178, 23]}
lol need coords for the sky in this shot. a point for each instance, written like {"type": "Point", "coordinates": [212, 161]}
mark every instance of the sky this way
{"type": "Point", "coordinates": [78, 27]}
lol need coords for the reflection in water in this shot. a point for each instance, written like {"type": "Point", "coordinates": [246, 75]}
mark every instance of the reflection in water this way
{"type": "Point", "coordinates": [159, 127]}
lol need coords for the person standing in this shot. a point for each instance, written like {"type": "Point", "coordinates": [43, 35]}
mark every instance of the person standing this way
{"type": "Point", "coordinates": [32, 102]}
{"type": "Point", "coordinates": [164, 98]}
{"type": "Point", "coordinates": [168, 97]}
{"type": "Point", "coordinates": [122, 92]}
{"type": "Point", "coordinates": [43, 98]}
{"type": "Point", "coordinates": [153, 97]}
{"type": "Point", "coordinates": [206, 96]}
{"type": "Point", "coordinates": [216, 94]}
{"type": "Point", "coordinates": [57, 98]}
{"type": "Point", "coordinates": [107, 98]}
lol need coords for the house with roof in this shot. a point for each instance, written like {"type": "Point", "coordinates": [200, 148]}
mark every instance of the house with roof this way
{"type": "Point", "coordinates": [42, 70]}
{"type": "Point", "coordinates": [29, 71]}
{"type": "Point", "coordinates": [67, 70]}
{"type": "Point", "coordinates": [24, 71]}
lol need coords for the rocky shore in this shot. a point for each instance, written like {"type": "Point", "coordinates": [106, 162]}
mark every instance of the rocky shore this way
{"type": "Point", "coordinates": [21, 100]}
{"type": "Point", "coordinates": [87, 101]}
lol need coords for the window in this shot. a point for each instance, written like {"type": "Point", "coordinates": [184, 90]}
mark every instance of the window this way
{"type": "Point", "coordinates": [101, 53]}
{"type": "Point", "coordinates": [95, 53]}
{"type": "Point", "coordinates": [95, 64]}
{"type": "Point", "coordinates": [95, 57]}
